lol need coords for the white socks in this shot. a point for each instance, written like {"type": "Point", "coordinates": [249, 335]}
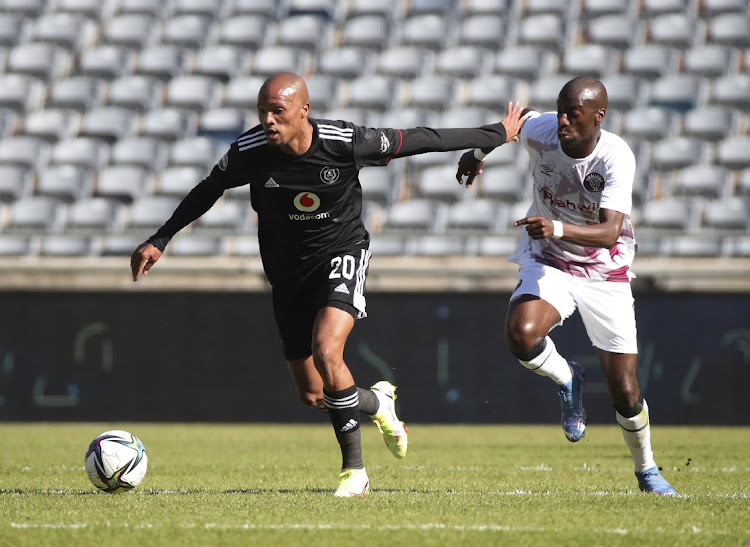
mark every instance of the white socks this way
{"type": "Point", "coordinates": [637, 434]}
{"type": "Point", "coordinates": [550, 363]}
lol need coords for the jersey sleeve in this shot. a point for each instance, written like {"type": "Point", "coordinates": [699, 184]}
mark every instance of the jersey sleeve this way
{"type": "Point", "coordinates": [620, 173]}
{"type": "Point", "coordinates": [227, 173]}
{"type": "Point", "coordinates": [373, 147]}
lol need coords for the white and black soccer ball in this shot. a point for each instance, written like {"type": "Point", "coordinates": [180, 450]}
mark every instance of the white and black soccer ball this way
{"type": "Point", "coordinates": [116, 461]}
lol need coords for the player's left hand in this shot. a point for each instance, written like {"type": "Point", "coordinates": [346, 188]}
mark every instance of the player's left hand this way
{"type": "Point", "coordinates": [470, 166]}
{"type": "Point", "coordinates": [537, 227]}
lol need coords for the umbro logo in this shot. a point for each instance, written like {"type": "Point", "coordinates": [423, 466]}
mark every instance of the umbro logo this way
{"type": "Point", "coordinates": [270, 183]}
{"type": "Point", "coordinates": [351, 424]}
{"type": "Point", "coordinates": [341, 288]}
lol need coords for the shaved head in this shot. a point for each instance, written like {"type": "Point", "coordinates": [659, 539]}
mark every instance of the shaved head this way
{"type": "Point", "coordinates": [587, 90]}
{"type": "Point", "coordinates": [286, 85]}
{"type": "Point", "coordinates": [283, 105]}
{"type": "Point", "coordinates": [581, 107]}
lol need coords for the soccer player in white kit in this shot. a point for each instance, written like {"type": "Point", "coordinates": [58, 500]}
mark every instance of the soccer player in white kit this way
{"type": "Point", "coordinates": [575, 253]}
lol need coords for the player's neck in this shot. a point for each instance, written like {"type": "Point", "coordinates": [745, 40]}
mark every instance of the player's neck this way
{"type": "Point", "coordinates": [301, 143]}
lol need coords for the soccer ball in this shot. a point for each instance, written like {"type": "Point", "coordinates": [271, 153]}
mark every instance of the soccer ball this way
{"type": "Point", "coordinates": [116, 461]}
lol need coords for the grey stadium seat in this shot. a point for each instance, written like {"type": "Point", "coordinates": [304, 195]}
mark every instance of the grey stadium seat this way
{"type": "Point", "coordinates": [106, 62]}
{"type": "Point", "coordinates": [710, 8]}
{"type": "Point", "coordinates": [493, 92]}
{"type": "Point", "coordinates": [16, 182]}
{"type": "Point", "coordinates": [680, 92]}
{"type": "Point", "coordinates": [730, 30]}
{"type": "Point", "coordinates": [594, 8]}
{"type": "Point", "coordinates": [442, 7]}
{"type": "Point", "coordinates": [345, 62]}
{"type": "Point", "coordinates": [545, 30]}
{"type": "Point", "coordinates": [676, 153]}
{"type": "Point", "coordinates": [27, 8]}
{"type": "Point", "coordinates": [270, 60]}
{"type": "Point", "coordinates": [557, 7]}
{"type": "Point", "coordinates": [383, 8]}
{"type": "Point", "coordinates": [194, 245]}
{"type": "Point", "coordinates": [590, 59]}
{"type": "Point", "coordinates": [24, 150]}
{"type": "Point", "coordinates": [222, 62]}
{"type": "Point", "coordinates": [109, 123]}
{"type": "Point", "coordinates": [41, 60]}
{"type": "Point", "coordinates": [468, 116]}
{"type": "Point", "coordinates": [12, 28]}
{"type": "Point", "coordinates": [710, 181]}
{"type": "Point", "coordinates": [304, 31]}
{"type": "Point", "coordinates": [497, 245]}
{"type": "Point", "coordinates": [178, 180]}
{"type": "Point", "coordinates": [141, 7]}
{"type": "Point", "coordinates": [148, 213]}
{"type": "Point", "coordinates": [322, 91]}
{"type": "Point", "coordinates": [544, 92]}
{"type": "Point", "coordinates": [91, 9]}
{"type": "Point", "coordinates": [222, 125]}
{"type": "Point", "coordinates": [708, 60]}
{"type": "Point", "coordinates": [144, 151]}
{"type": "Point", "coordinates": [70, 31]}
{"type": "Point", "coordinates": [527, 62]}
{"type": "Point", "coordinates": [387, 245]}
{"type": "Point", "coordinates": [505, 183]}
{"type": "Point", "coordinates": [242, 92]}
{"type": "Point", "coordinates": [326, 9]}
{"type": "Point", "coordinates": [65, 182]}
{"type": "Point", "coordinates": [268, 8]}
{"type": "Point", "coordinates": [438, 183]}
{"type": "Point", "coordinates": [652, 8]}
{"type": "Point", "coordinates": [613, 31]}
{"type": "Point", "coordinates": [710, 123]}
{"type": "Point", "coordinates": [133, 31]}
{"type": "Point", "coordinates": [648, 61]}
{"type": "Point", "coordinates": [378, 185]}
{"type": "Point", "coordinates": [371, 92]}
{"type": "Point", "coordinates": [474, 215]}
{"type": "Point", "coordinates": [402, 62]}
{"type": "Point", "coordinates": [402, 118]}
{"type": "Point", "coordinates": [35, 214]}
{"type": "Point", "coordinates": [427, 31]}
{"type": "Point", "coordinates": [623, 90]}
{"type": "Point", "coordinates": [65, 246]}
{"type": "Point", "coordinates": [80, 92]}
{"type": "Point", "coordinates": [188, 31]}
{"type": "Point", "coordinates": [21, 92]}
{"type": "Point", "coordinates": [51, 124]}
{"type": "Point", "coordinates": [666, 214]}
{"type": "Point", "coordinates": [15, 246]}
{"type": "Point", "coordinates": [732, 90]}
{"type": "Point", "coordinates": [194, 92]}
{"type": "Point", "coordinates": [137, 92]}
{"type": "Point", "coordinates": [205, 8]}
{"type": "Point", "coordinates": [693, 246]}
{"type": "Point", "coordinates": [169, 124]}
{"type": "Point", "coordinates": [95, 215]}
{"type": "Point", "coordinates": [438, 245]}
{"type": "Point", "coordinates": [194, 151]}
{"type": "Point", "coordinates": [485, 7]}
{"type": "Point", "coordinates": [415, 215]}
{"type": "Point", "coordinates": [676, 30]}
{"type": "Point", "coordinates": [125, 183]}
{"type": "Point", "coordinates": [463, 62]}
{"type": "Point", "coordinates": [733, 152]}
{"type": "Point", "coordinates": [164, 61]}
{"type": "Point", "coordinates": [87, 152]}
{"type": "Point", "coordinates": [246, 31]}
{"type": "Point", "coordinates": [431, 92]}
{"type": "Point", "coordinates": [225, 216]}
{"type": "Point", "coordinates": [366, 31]}
{"type": "Point", "coordinates": [486, 31]}
{"type": "Point", "coordinates": [246, 245]}
{"type": "Point", "coordinates": [727, 214]}
{"type": "Point", "coordinates": [118, 245]}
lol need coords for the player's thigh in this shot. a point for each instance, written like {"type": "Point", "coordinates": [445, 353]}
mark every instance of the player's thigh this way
{"type": "Point", "coordinates": [295, 311]}
{"type": "Point", "coordinates": [547, 284]}
{"type": "Point", "coordinates": [608, 313]}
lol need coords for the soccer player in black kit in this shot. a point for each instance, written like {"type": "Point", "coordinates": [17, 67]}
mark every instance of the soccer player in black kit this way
{"type": "Point", "coordinates": [303, 177]}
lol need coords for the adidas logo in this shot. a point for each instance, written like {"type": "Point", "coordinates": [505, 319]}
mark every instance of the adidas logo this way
{"type": "Point", "coordinates": [270, 183]}
{"type": "Point", "coordinates": [351, 424]}
{"type": "Point", "coordinates": [341, 288]}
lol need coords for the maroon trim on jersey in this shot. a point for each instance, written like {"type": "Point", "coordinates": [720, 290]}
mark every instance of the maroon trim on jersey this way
{"type": "Point", "coordinates": [400, 142]}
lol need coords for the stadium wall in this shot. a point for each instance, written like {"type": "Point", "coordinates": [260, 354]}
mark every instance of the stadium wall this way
{"type": "Point", "coordinates": [148, 354]}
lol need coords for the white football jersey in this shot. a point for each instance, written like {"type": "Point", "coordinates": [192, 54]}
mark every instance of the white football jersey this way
{"type": "Point", "coordinates": [572, 190]}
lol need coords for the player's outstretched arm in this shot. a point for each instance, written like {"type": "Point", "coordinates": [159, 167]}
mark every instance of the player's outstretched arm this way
{"type": "Point", "coordinates": [142, 259]}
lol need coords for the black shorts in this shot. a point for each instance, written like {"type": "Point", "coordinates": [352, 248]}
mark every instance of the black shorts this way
{"type": "Point", "coordinates": [338, 282]}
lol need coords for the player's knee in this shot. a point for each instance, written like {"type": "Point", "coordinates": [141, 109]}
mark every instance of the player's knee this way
{"type": "Point", "coordinates": [629, 409]}
{"type": "Point", "coordinates": [522, 337]}
{"type": "Point", "coordinates": [313, 400]}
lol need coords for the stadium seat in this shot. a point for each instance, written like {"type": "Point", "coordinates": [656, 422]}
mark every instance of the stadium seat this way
{"type": "Point", "coordinates": [680, 92]}
{"type": "Point", "coordinates": [148, 213]}
{"type": "Point", "coordinates": [69, 31]}
{"type": "Point", "coordinates": [367, 31]}
{"type": "Point", "coordinates": [475, 215]}
{"type": "Point", "coordinates": [497, 245]}
{"type": "Point", "coordinates": [502, 182]}
{"type": "Point", "coordinates": [732, 152]}
{"type": "Point", "coordinates": [21, 92]}
{"type": "Point", "coordinates": [467, 116]}
{"type": "Point", "coordinates": [36, 214]}
{"type": "Point", "coordinates": [222, 62]}
{"type": "Point", "coordinates": [358, 116]}
{"type": "Point", "coordinates": [485, 31]}
{"type": "Point", "coordinates": [194, 152]}
{"type": "Point", "coordinates": [379, 185]}
{"type": "Point", "coordinates": [209, 9]}
{"type": "Point", "coordinates": [224, 217]}
{"type": "Point", "coordinates": [162, 61]}
{"type": "Point", "coordinates": [425, 31]}
{"type": "Point", "coordinates": [711, 8]}
{"type": "Point", "coordinates": [137, 92]}
{"type": "Point", "coordinates": [245, 245]}
{"type": "Point", "coordinates": [544, 92]}
{"type": "Point", "coordinates": [245, 31]}
{"type": "Point", "coordinates": [26, 8]}
{"type": "Point", "coordinates": [557, 7]}
{"type": "Point", "coordinates": [90, 9]}
{"type": "Point", "coordinates": [387, 245]}
{"type": "Point", "coordinates": [178, 180]}
{"type": "Point", "coordinates": [79, 92]}
{"type": "Point", "coordinates": [648, 61]}
{"type": "Point", "coordinates": [322, 90]}
{"type": "Point", "coordinates": [462, 62]}
{"type": "Point", "coordinates": [308, 32]}
{"type": "Point", "coordinates": [371, 92]}
{"type": "Point", "coordinates": [693, 246]}
{"type": "Point", "coordinates": [12, 28]}
{"type": "Point", "coordinates": [591, 59]}
{"type": "Point", "coordinates": [526, 62]}
{"type": "Point", "coordinates": [65, 182]}
{"type": "Point", "coordinates": [672, 214]}
{"type": "Point", "coordinates": [189, 31]}
{"type": "Point", "coordinates": [730, 30]}
{"type": "Point", "coordinates": [740, 246]}
{"type": "Point", "coordinates": [88, 152]}
{"type": "Point", "coordinates": [141, 7]}
{"type": "Point", "coordinates": [16, 182]}
{"type": "Point", "coordinates": [727, 214]}
{"type": "Point", "coordinates": [270, 60]}
{"type": "Point", "coordinates": [24, 150]}
{"type": "Point", "coordinates": [491, 92]}
{"type": "Point", "coordinates": [222, 126]}
{"type": "Point", "coordinates": [345, 62]}
{"type": "Point", "coordinates": [711, 123]}
{"type": "Point", "coordinates": [133, 31]}
{"type": "Point", "coordinates": [743, 184]}
{"type": "Point", "coordinates": [194, 92]}
{"type": "Point", "coordinates": [420, 7]}
{"type": "Point", "coordinates": [124, 183]}
{"type": "Point", "coordinates": [438, 183]}
{"type": "Point", "coordinates": [144, 151]}
{"type": "Point", "coordinates": [703, 180]}
{"type": "Point", "coordinates": [731, 90]}
{"type": "Point", "coordinates": [169, 124]}
{"type": "Point", "coordinates": [106, 62]}
{"type": "Point", "coordinates": [623, 90]}
{"type": "Point", "coordinates": [678, 30]}
{"type": "Point", "coordinates": [709, 60]}
{"type": "Point", "coordinates": [402, 62]}
{"type": "Point", "coordinates": [595, 8]}
{"type": "Point", "coordinates": [676, 153]}
{"type": "Point", "coordinates": [438, 245]}
{"type": "Point", "coordinates": [546, 30]}
{"type": "Point", "coordinates": [242, 92]}
{"type": "Point", "coordinates": [652, 8]}
{"type": "Point", "coordinates": [195, 245]}
{"type": "Point", "coordinates": [15, 246]}
{"type": "Point", "coordinates": [60, 245]}
{"type": "Point", "coordinates": [431, 92]}
{"type": "Point", "coordinates": [93, 216]}
{"type": "Point", "coordinates": [485, 7]}
{"type": "Point", "coordinates": [44, 61]}
{"type": "Point", "coordinates": [613, 31]}
{"type": "Point", "coordinates": [51, 124]}
{"type": "Point", "coordinates": [416, 215]}
{"type": "Point", "coordinates": [108, 123]}
{"type": "Point", "coordinates": [119, 245]}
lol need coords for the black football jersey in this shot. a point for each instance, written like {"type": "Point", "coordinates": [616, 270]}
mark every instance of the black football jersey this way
{"type": "Point", "coordinates": [309, 206]}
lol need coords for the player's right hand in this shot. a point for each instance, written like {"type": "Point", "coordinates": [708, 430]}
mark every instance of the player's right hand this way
{"type": "Point", "coordinates": [470, 166]}
{"type": "Point", "coordinates": [142, 259]}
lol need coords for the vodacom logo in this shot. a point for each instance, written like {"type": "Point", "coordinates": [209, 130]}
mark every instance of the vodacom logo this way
{"type": "Point", "coordinates": [307, 202]}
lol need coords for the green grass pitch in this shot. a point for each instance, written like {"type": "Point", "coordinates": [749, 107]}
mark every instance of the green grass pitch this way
{"type": "Point", "coordinates": [272, 484]}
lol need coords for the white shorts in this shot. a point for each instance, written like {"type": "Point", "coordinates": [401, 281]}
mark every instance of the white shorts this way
{"type": "Point", "coordinates": [606, 307]}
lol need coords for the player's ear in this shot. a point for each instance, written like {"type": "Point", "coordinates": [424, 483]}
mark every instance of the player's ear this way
{"type": "Point", "coordinates": [305, 110]}
{"type": "Point", "coordinates": [600, 116]}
